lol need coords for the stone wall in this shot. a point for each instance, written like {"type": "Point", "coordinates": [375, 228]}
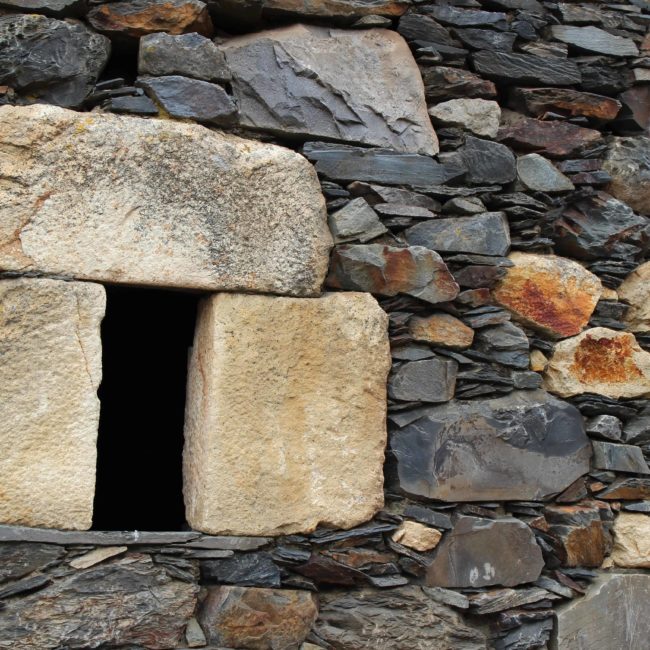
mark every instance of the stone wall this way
{"type": "Point", "coordinates": [418, 399]}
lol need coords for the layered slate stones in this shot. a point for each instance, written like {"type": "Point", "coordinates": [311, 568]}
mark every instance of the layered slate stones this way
{"type": "Point", "coordinates": [635, 290]}
{"type": "Point", "coordinates": [49, 410]}
{"type": "Point", "coordinates": [594, 39]}
{"type": "Point", "coordinates": [388, 270]}
{"type": "Point", "coordinates": [549, 293]}
{"type": "Point", "coordinates": [611, 456]}
{"type": "Point", "coordinates": [602, 361]}
{"type": "Point", "coordinates": [396, 618]}
{"type": "Point", "coordinates": [351, 86]}
{"type": "Point", "coordinates": [426, 380]}
{"type": "Point", "coordinates": [481, 552]}
{"type": "Point", "coordinates": [526, 68]}
{"type": "Point", "coordinates": [153, 202]}
{"type": "Point", "coordinates": [628, 163]}
{"type": "Point", "coordinates": [487, 162]}
{"type": "Point", "coordinates": [50, 60]}
{"type": "Point", "coordinates": [280, 391]}
{"type": "Point", "coordinates": [527, 445]}
{"type": "Point", "coordinates": [632, 541]}
{"type": "Point", "coordinates": [540, 175]}
{"type": "Point", "coordinates": [626, 600]}
{"type": "Point", "coordinates": [345, 10]}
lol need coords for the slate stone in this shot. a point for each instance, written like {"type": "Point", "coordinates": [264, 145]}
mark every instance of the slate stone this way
{"type": "Point", "coordinates": [398, 618]}
{"type": "Point", "coordinates": [429, 380]}
{"type": "Point", "coordinates": [390, 210]}
{"type": "Point", "coordinates": [334, 10]}
{"type": "Point", "coordinates": [538, 174]}
{"type": "Point", "coordinates": [191, 98]}
{"type": "Point", "coordinates": [506, 344]}
{"type": "Point", "coordinates": [637, 429]}
{"type": "Point", "coordinates": [48, 60]}
{"type": "Point", "coordinates": [599, 77]}
{"type": "Point", "coordinates": [497, 600]}
{"type": "Point", "coordinates": [21, 559]}
{"type": "Point", "coordinates": [605, 427]}
{"type": "Point", "coordinates": [352, 86]}
{"type": "Point", "coordinates": [375, 194]}
{"type": "Point", "coordinates": [485, 234]}
{"type": "Point", "coordinates": [487, 162]}
{"type": "Point", "coordinates": [628, 162]}
{"type": "Point", "coordinates": [428, 516]}
{"type": "Point", "coordinates": [54, 8]}
{"type": "Point", "coordinates": [357, 221]}
{"type": "Point", "coordinates": [188, 55]}
{"type": "Point", "coordinates": [601, 226]}
{"type": "Point", "coordinates": [465, 17]}
{"type": "Point", "coordinates": [528, 635]}
{"type": "Point", "coordinates": [412, 352]}
{"type": "Point", "coordinates": [135, 105]}
{"type": "Point", "coordinates": [347, 163]}
{"type": "Point", "coordinates": [324, 570]}
{"type": "Point", "coordinates": [594, 39]}
{"type": "Point", "coordinates": [387, 271]}
{"type": "Point", "coordinates": [245, 570]}
{"type": "Point", "coordinates": [526, 68]}
{"type": "Point", "coordinates": [477, 277]}
{"type": "Point", "coordinates": [630, 488]}
{"type": "Point", "coordinates": [619, 458]}
{"type": "Point", "coordinates": [527, 445]}
{"type": "Point", "coordinates": [416, 27]}
{"type": "Point", "coordinates": [481, 552]}
{"type": "Point", "coordinates": [486, 39]}
{"type": "Point", "coordinates": [635, 116]}
{"type": "Point", "coordinates": [442, 83]}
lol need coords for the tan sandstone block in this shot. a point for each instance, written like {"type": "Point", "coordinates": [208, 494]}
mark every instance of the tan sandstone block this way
{"type": "Point", "coordinates": [285, 414]}
{"type": "Point", "coordinates": [49, 411]}
{"type": "Point", "coordinates": [632, 541]}
{"type": "Point", "coordinates": [417, 536]}
{"type": "Point", "coordinates": [635, 290]}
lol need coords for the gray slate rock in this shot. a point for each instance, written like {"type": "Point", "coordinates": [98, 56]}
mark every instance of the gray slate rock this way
{"type": "Point", "coordinates": [244, 569]}
{"type": "Point", "coordinates": [19, 560]}
{"type": "Point", "coordinates": [415, 27]}
{"type": "Point", "coordinates": [49, 60]}
{"type": "Point", "coordinates": [191, 98]}
{"type": "Point", "coordinates": [466, 17]}
{"type": "Point", "coordinates": [482, 552]}
{"type": "Point", "coordinates": [429, 380]}
{"type": "Point", "coordinates": [538, 174]}
{"type": "Point", "coordinates": [527, 445]}
{"type": "Point", "coordinates": [54, 8]}
{"type": "Point", "coordinates": [486, 39]}
{"type": "Point", "coordinates": [594, 39]}
{"type": "Point", "coordinates": [485, 234]}
{"type": "Point", "coordinates": [487, 162]}
{"type": "Point", "coordinates": [188, 55]}
{"type": "Point", "coordinates": [526, 68]}
{"type": "Point", "coordinates": [133, 104]}
{"type": "Point", "coordinates": [619, 458]}
{"type": "Point", "coordinates": [506, 344]}
{"type": "Point", "coordinates": [606, 427]}
{"type": "Point", "coordinates": [356, 221]}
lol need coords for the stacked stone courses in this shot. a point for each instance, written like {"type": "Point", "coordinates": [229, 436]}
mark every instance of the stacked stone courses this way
{"type": "Point", "coordinates": [417, 409]}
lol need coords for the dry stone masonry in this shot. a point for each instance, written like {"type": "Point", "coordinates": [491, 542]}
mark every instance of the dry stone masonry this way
{"type": "Point", "coordinates": [414, 238]}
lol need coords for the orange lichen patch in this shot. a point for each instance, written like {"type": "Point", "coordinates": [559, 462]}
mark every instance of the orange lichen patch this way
{"type": "Point", "coordinates": [442, 329]}
{"type": "Point", "coordinates": [602, 359]}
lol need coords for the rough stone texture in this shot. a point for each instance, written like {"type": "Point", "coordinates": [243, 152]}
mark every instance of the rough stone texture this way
{"type": "Point", "coordinates": [487, 162]}
{"type": "Point", "coordinates": [527, 445]}
{"type": "Point", "coordinates": [387, 271]}
{"type": "Point", "coordinates": [526, 68]}
{"type": "Point", "coordinates": [56, 8]}
{"type": "Point", "coordinates": [153, 202]}
{"type": "Point", "coordinates": [417, 536]}
{"type": "Point", "coordinates": [504, 343]}
{"type": "Point", "coordinates": [342, 9]}
{"type": "Point", "coordinates": [50, 60]}
{"type": "Point", "coordinates": [135, 18]}
{"type": "Point", "coordinates": [593, 39]}
{"type": "Point", "coordinates": [259, 619]}
{"type": "Point", "coordinates": [317, 369]}
{"type": "Point", "coordinates": [353, 86]}
{"type": "Point", "coordinates": [49, 411]}
{"type": "Point", "coordinates": [118, 603]}
{"type": "Point", "coordinates": [189, 55]}
{"type": "Point", "coordinates": [428, 380]}
{"type": "Point", "coordinates": [632, 541]}
{"type": "Point", "coordinates": [635, 290]}
{"type": "Point", "coordinates": [615, 613]}
{"type": "Point", "coordinates": [540, 175]}
{"type": "Point", "coordinates": [191, 98]}
{"type": "Point", "coordinates": [628, 163]}
{"type": "Point", "coordinates": [441, 329]}
{"type": "Point", "coordinates": [356, 221]}
{"type": "Point", "coordinates": [549, 293]}
{"type": "Point", "coordinates": [442, 83]}
{"type": "Point", "coordinates": [397, 619]}
{"type": "Point", "coordinates": [620, 458]}
{"type": "Point", "coordinates": [602, 361]}
{"type": "Point", "coordinates": [481, 552]}
{"type": "Point", "coordinates": [479, 116]}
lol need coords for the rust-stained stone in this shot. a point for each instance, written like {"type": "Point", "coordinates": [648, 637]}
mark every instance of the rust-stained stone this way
{"type": "Point", "coordinates": [258, 619]}
{"type": "Point", "coordinates": [135, 18]}
{"type": "Point", "coordinates": [338, 9]}
{"type": "Point", "coordinates": [441, 329]}
{"type": "Point", "coordinates": [601, 361]}
{"type": "Point", "coordinates": [635, 291]}
{"type": "Point", "coordinates": [551, 294]}
{"type": "Point", "coordinates": [627, 489]}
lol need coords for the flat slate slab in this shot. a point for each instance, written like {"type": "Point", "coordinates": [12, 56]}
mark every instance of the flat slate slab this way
{"type": "Point", "coordinates": [156, 202]}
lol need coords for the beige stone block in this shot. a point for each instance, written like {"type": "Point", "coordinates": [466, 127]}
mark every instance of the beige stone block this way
{"type": "Point", "coordinates": [635, 291]}
{"type": "Point", "coordinates": [285, 414]}
{"type": "Point", "coordinates": [417, 536]}
{"type": "Point", "coordinates": [632, 541]}
{"type": "Point", "coordinates": [49, 411]}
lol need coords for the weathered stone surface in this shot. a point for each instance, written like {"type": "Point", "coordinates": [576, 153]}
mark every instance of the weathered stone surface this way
{"type": "Point", "coordinates": [442, 83]}
{"type": "Point", "coordinates": [615, 613]}
{"type": "Point", "coordinates": [526, 68]}
{"type": "Point", "coordinates": [552, 294]}
{"type": "Point", "coordinates": [189, 55]}
{"type": "Point", "coordinates": [49, 60]}
{"type": "Point", "coordinates": [244, 569]}
{"type": "Point", "coordinates": [601, 226]}
{"type": "Point", "coordinates": [504, 343]}
{"type": "Point", "coordinates": [480, 552]}
{"type": "Point", "coordinates": [539, 101]}
{"type": "Point", "coordinates": [441, 329]}
{"type": "Point", "coordinates": [486, 39]}
{"type": "Point", "coordinates": [479, 116]}
{"type": "Point", "coordinates": [632, 541]}
{"type": "Point", "coordinates": [318, 370]}
{"type": "Point", "coordinates": [429, 380]}
{"type": "Point", "coordinates": [619, 458]}
{"type": "Point", "coordinates": [484, 234]}
{"type": "Point", "coordinates": [527, 445]}
{"type": "Point", "coordinates": [153, 202]}
{"type": "Point", "coordinates": [123, 602]}
{"type": "Point", "coordinates": [635, 290]}
{"type": "Point", "coordinates": [628, 163]}
{"type": "Point", "coordinates": [635, 115]}
{"type": "Point", "coordinates": [487, 162]}
{"type": "Point", "coordinates": [538, 174]}
{"type": "Point", "coordinates": [356, 221]}
{"type": "Point", "coordinates": [606, 427]}
{"type": "Point", "coordinates": [340, 9]}
{"type": "Point", "coordinates": [465, 17]}
{"type": "Point", "coordinates": [601, 361]}
{"type": "Point", "coordinates": [135, 18]}
{"type": "Point", "coordinates": [50, 372]}
{"type": "Point", "coordinates": [387, 271]}
{"type": "Point", "coordinates": [260, 619]}
{"type": "Point", "coordinates": [353, 86]}
{"type": "Point", "coordinates": [417, 536]}
{"type": "Point", "coordinates": [191, 98]}
{"type": "Point", "coordinates": [631, 488]}
{"type": "Point", "coordinates": [416, 27]}
{"type": "Point", "coordinates": [594, 39]}
{"type": "Point", "coordinates": [395, 619]}
{"type": "Point", "coordinates": [20, 559]}
{"type": "Point", "coordinates": [55, 8]}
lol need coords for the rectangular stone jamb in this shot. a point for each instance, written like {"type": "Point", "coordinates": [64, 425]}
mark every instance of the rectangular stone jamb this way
{"type": "Point", "coordinates": [49, 411]}
{"type": "Point", "coordinates": [285, 413]}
